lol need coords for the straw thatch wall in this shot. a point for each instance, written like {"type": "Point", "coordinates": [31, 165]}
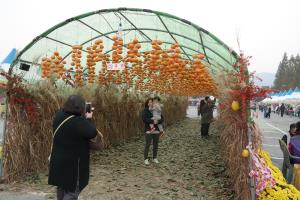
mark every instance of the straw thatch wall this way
{"type": "Point", "coordinates": [117, 115]}
{"type": "Point", "coordinates": [234, 136]}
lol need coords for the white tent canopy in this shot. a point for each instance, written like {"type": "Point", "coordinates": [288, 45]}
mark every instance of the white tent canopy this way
{"type": "Point", "coordinates": [291, 97]}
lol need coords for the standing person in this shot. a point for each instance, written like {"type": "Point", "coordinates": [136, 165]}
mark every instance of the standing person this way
{"type": "Point", "coordinates": [265, 111]}
{"type": "Point", "coordinates": [292, 132]}
{"type": "Point", "coordinates": [270, 111]}
{"type": "Point", "coordinates": [198, 108]}
{"type": "Point", "coordinates": [277, 109]}
{"type": "Point", "coordinates": [207, 115]}
{"type": "Point", "coordinates": [70, 156]}
{"type": "Point", "coordinates": [291, 111]}
{"type": "Point", "coordinates": [282, 108]}
{"type": "Point", "coordinates": [150, 136]}
{"type": "Point", "coordinates": [202, 102]}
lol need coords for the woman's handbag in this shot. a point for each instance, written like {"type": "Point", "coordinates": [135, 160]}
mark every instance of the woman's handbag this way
{"type": "Point", "coordinates": [57, 130]}
{"type": "Point", "coordinates": [97, 143]}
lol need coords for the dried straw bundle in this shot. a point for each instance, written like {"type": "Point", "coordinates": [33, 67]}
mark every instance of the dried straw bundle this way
{"type": "Point", "coordinates": [234, 137]}
{"type": "Point", "coordinates": [117, 116]}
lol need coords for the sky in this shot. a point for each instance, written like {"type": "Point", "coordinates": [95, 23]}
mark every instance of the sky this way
{"type": "Point", "coordinates": [265, 29]}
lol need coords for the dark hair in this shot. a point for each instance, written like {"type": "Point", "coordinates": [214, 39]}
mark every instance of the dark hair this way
{"type": "Point", "coordinates": [75, 105]}
{"type": "Point", "coordinates": [206, 98]}
{"type": "Point", "coordinates": [293, 125]}
{"type": "Point", "coordinates": [147, 102]}
{"type": "Point", "coordinates": [156, 98]}
{"type": "Point", "coordinates": [202, 102]}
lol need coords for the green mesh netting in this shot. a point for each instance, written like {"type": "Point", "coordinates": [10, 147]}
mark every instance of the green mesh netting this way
{"type": "Point", "coordinates": [146, 25]}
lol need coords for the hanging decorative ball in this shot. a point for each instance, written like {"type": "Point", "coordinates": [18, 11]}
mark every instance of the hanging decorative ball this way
{"type": "Point", "coordinates": [235, 106]}
{"type": "Point", "coordinates": [245, 153]}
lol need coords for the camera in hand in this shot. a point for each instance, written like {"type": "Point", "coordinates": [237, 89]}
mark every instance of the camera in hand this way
{"type": "Point", "coordinates": [88, 107]}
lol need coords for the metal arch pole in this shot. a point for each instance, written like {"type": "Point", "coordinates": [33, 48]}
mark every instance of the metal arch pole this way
{"type": "Point", "coordinates": [4, 136]}
{"type": "Point", "coordinates": [134, 26]}
{"type": "Point", "coordinates": [106, 21]}
{"type": "Point", "coordinates": [172, 36]}
{"type": "Point", "coordinates": [201, 39]}
{"type": "Point", "coordinates": [94, 29]}
{"type": "Point", "coordinates": [252, 182]}
{"type": "Point", "coordinates": [55, 40]}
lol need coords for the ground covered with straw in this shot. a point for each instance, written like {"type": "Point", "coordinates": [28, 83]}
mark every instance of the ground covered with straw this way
{"type": "Point", "coordinates": [189, 166]}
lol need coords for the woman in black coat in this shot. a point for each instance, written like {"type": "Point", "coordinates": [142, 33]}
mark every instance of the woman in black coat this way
{"type": "Point", "coordinates": [150, 135]}
{"type": "Point", "coordinates": [69, 161]}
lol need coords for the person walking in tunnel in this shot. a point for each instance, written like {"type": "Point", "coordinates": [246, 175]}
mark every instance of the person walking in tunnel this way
{"type": "Point", "coordinates": [151, 136]}
{"type": "Point", "coordinates": [198, 108]}
{"type": "Point", "coordinates": [70, 155]}
{"type": "Point", "coordinates": [202, 102]}
{"type": "Point", "coordinates": [207, 115]}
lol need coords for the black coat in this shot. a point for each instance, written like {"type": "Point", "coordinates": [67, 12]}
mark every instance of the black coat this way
{"type": "Point", "coordinates": [71, 152]}
{"type": "Point", "coordinates": [207, 112]}
{"type": "Point", "coordinates": [202, 102]}
{"type": "Point", "coordinates": [147, 119]}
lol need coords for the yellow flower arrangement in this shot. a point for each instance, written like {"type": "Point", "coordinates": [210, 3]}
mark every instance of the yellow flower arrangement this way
{"type": "Point", "coordinates": [282, 190]}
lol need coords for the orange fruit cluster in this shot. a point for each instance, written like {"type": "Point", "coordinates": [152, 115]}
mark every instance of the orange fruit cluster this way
{"type": "Point", "coordinates": [76, 61]}
{"type": "Point", "coordinates": [159, 69]}
{"type": "Point", "coordinates": [133, 54]}
{"type": "Point", "coordinates": [53, 66]}
{"type": "Point", "coordinates": [94, 55]}
{"type": "Point", "coordinates": [117, 49]}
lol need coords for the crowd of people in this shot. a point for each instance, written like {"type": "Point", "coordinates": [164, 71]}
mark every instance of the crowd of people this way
{"type": "Point", "coordinates": [280, 109]}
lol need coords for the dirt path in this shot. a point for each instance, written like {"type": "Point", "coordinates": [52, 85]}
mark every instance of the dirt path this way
{"type": "Point", "coordinates": [189, 166]}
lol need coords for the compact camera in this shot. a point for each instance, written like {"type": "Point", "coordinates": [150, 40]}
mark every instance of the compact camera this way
{"type": "Point", "coordinates": [88, 107]}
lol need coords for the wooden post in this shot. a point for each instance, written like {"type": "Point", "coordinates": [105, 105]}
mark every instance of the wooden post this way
{"type": "Point", "coordinates": [252, 182]}
{"type": "Point", "coordinates": [3, 140]}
